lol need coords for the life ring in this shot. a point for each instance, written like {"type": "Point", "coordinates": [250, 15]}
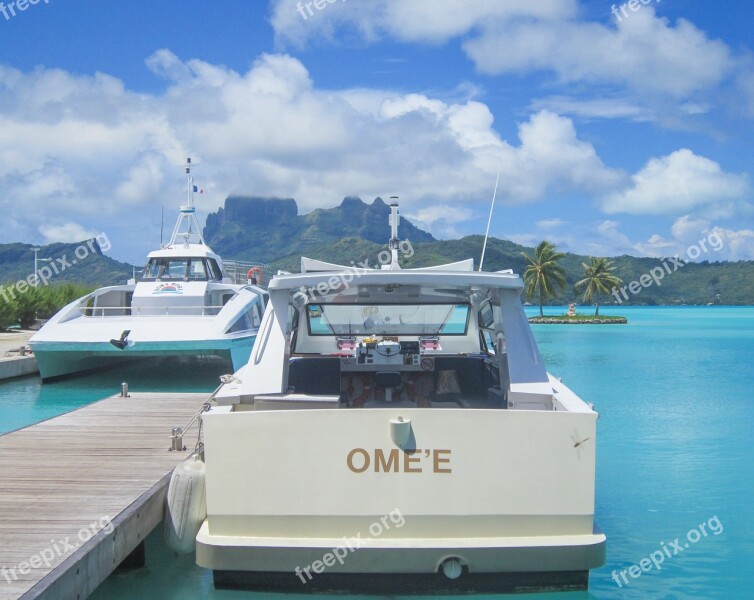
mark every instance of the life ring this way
{"type": "Point", "coordinates": [256, 275]}
{"type": "Point", "coordinates": [358, 388]}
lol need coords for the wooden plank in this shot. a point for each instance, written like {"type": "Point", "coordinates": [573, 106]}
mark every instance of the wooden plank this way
{"type": "Point", "coordinates": [82, 490]}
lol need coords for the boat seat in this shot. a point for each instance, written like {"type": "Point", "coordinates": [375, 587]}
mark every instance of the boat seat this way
{"type": "Point", "coordinates": [470, 372]}
{"type": "Point", "coordinates": [314, 376]}
{"type": "Point", "coordinates": [388, 380]}
{"type": "Point", "coordinates": [473, 380]}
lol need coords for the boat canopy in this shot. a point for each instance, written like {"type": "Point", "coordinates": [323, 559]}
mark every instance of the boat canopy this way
{"type": "Point", "coordinates": [311, 312]}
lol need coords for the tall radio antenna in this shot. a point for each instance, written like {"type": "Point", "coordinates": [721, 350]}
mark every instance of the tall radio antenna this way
{"type": "Point", "coordinates": [489, 221]}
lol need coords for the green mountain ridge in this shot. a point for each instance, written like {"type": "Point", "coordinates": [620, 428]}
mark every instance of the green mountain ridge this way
{"type": "Point", "coordinates": [91, 267]}
{"type": "Point", "coordinates": [270, 230]}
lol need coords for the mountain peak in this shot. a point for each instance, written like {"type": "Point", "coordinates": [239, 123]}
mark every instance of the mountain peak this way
{"type": "Point", "coordinates": [351, 202]}
{"type": "Point", "coordinates": [265, 229]}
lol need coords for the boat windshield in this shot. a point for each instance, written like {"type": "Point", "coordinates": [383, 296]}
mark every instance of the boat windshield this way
{"type": "Point", "coordinates": [181, 268]}
{"type": "Point", "coordinates": [388, 319]}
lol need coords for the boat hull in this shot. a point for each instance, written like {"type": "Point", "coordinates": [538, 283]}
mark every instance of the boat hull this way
{"type": "Point", "coordinates": [62, 359]}
{"type": "Point", "coordinates": [499, 565]}
{"type": "Point", "coordinates": [402, 584]}
{"type": "Point", "coordinates": [499, 491]}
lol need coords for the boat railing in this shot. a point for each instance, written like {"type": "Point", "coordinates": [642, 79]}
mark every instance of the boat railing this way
{"type": "Point", "coordinates": [149, 311]}
{"type": "Point", "coordinates": [237, 271]}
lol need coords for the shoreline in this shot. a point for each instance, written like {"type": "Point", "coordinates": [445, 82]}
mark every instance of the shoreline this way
{"type": "Point", "coordinates": [578, 320]}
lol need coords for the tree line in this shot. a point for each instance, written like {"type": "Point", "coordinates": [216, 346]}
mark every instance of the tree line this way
{"type": "Point", "coordinates": [36, 302]}
{"type": "Point", "coordinates": [544, 277]}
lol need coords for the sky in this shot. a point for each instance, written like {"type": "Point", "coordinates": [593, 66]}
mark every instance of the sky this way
{"type": "Point", "coordinates": [614, 128]}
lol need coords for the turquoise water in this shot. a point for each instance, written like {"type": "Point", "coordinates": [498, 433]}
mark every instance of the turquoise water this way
{"type": "Point", "coordinates": [25, 401]}
{"type": "Point", "coordinates": [675, 451]}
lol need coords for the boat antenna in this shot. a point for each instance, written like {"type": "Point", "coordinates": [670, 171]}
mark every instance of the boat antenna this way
{"type": "Point", "coordinates": [395, 219]}
{"type": "Point", "coordinates": [187, 214]}
{"type": "Point", "coordinates": [162, 224]}
{"type": "Point", "coordinates": [489, 221]}
{"type": "Point", "coordinates": [190, 183]}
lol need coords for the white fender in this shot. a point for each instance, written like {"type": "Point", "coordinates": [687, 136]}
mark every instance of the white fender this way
{"type": "Point", "coordinates": [186, 507]}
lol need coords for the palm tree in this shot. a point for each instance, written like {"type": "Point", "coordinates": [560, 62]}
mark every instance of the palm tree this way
{"type": "Point", "coordinates": [598, 280]}
{"type": "Point", "coordinates": [543, 273]}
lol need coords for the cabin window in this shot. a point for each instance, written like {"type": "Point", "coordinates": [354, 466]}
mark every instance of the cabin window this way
{"type": "Point", "coordinates": [387, 319]}
{"type": "Point", "coordinates": [486, 316]}
{"type": "Point", "coordinates": [489, 341]}
{"type": "Point", "coordinates": [166, 268]}
{"type": "Point", "coordinates": [175, 268]}
{"type": "Point", "coordinates": [251, 319]}
{"type": "Point", "coordinates": [197, 270]}
{"type": "Point", "coordinates": [190, 269]}
{"type": "Point", "coordinates": [255, 315]}
{"type": "Point", "coordinates": [215, 274]}
{"type": "Point", "coordinates": [152, 270]}
{"type": "Point", "coordinates": [242, 324]}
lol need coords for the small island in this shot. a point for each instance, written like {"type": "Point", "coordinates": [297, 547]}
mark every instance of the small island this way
{"type": "Point", "coordinates": [543, 278]}
{"type": "Point", "coordinates": [578, 320]}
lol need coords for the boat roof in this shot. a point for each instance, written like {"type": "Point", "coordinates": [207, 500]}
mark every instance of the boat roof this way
{"type": "Point", "coordinates": [184, 251]}
{"type": "Point", "coordinates": [338, 277]}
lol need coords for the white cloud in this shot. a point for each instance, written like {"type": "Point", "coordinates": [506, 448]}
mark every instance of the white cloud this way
{"type": "Point", "coordinates": [441, 212]}
{"type": "Point", "coordinates": [607, 238]}
{"type": "Point", "coordinates": [551, 223]}
{"type": "Point", "coordinates": [594, 108]}
{"type": "Point", "coordinates": [738, 244]}
{"type": "Point", "coordinates": [84, 154]}
{"type": "Point", "coordinates": [643, 53]}
{"type": "Point", "coordinates": [407, 20]}
{"type": "Point", "coordinates": [710, 242]}
{"type": "Point", "coordinates": [68, 232]}
{"type": "Point", "coordinates": [677, 183]}
{"type": "Point", "coordinates": [590, 238]}
{"type": "Point", "coordinates": [441, 219]}
{"type": "Point", "coordinates": [108, 158]}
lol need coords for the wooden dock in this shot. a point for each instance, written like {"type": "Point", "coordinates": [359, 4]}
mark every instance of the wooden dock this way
{"type": "Point", "coordinates": [80, 492]}
{"type": "Point", "coordinates": [12, 362]}
{"type": "Point", "coordinates": [17, 366]}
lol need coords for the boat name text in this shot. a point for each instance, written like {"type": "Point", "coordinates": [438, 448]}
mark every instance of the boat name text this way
{"type": "Point", "coordinates": [360, 460]}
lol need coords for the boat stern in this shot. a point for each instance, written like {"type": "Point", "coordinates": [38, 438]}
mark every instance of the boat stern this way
{"type": "Point", "coordinates": [410, 492]}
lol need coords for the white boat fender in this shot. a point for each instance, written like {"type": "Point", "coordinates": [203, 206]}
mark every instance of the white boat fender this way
{"type": "Point", "coordinates": [186, 505]}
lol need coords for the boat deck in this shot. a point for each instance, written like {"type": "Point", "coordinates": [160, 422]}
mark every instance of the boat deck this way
{"type": "Point", "coordinates": [81, 491]}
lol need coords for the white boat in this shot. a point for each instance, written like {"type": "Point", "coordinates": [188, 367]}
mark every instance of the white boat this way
{"type": "Point", "coordinates": [395, 429]}
{"type": "Point", "coordinates": [186, 302]}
